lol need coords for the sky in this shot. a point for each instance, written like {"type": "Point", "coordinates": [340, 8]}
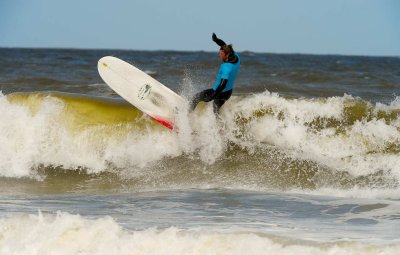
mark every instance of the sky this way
{"type": "Point", "coordinates": [346, 27]}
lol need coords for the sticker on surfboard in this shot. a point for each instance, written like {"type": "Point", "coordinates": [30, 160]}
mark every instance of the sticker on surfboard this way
{"type": "Point", "coordinates": [144, 91]}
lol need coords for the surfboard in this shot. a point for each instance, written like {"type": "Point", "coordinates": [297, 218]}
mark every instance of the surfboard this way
{"type": "Point", "coordinates": [141, 90]}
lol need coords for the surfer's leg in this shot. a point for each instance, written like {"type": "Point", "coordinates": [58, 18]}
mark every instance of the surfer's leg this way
{"type": "Point", "coordinates": [220, 100]}
{"type": "Point", "coordinates": [205, 96]}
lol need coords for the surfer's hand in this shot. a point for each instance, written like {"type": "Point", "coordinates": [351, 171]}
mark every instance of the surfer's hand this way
{"type": "Point", "coordinates": [217, 40]}
{"type": "Point", "coordinates": [214, 37]}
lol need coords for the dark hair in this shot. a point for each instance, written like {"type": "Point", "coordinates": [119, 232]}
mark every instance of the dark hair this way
{"type": "Point", "coordinates": [227, 49]}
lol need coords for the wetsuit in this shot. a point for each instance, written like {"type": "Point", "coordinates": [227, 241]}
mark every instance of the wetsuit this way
{"type": "Point", "coordinates": [222, 89]}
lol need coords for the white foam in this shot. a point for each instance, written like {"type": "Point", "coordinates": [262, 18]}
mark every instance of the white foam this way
{"type": "Point", "coordinates": [360, 150]}
{"type": "Point", "coordinates": [72, 234]}
{"type": "Point", "coordinates": [31, 139]}
{"type": "Point", "coordinates": [24, 137]}
{"type": "Point", "coordinates": [394, 105]}
{"type": "Point", "coordinates": [28, 140]}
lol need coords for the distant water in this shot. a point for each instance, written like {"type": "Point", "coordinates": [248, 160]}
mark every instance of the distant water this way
{"type": "Point", "coordinates": [304, 158]}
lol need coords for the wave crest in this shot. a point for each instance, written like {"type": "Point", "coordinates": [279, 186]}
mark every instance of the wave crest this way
{"type": "Point", "coordinates": [261, 140]}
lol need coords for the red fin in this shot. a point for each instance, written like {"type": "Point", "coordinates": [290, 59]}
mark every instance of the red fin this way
{"type": "Point", "coordinates": [162, 122]}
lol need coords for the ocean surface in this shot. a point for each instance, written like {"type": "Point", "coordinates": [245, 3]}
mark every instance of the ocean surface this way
{"type": "Point", "coordinates": [303, 159]}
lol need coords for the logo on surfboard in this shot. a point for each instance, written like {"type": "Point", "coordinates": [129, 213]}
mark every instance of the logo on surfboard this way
{"type": "Point", "coordinates": [144, 91]}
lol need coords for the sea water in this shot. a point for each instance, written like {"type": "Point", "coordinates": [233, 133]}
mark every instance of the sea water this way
{"type": "Point", "coordinates": [303, 159]}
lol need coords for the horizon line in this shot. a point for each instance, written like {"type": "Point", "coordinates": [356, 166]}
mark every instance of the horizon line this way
{"type": "Point", "coordinates": [205, 51]}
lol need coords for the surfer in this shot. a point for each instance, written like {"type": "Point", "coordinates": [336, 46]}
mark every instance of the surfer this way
{"type": "Point", "coordinates": [223, 86]}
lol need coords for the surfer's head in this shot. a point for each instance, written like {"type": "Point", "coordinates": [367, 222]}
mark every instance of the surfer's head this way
{"type": "Point", "coordinates": [225, 52]}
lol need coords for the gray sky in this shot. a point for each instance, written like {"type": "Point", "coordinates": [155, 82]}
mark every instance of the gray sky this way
{"type": "Point", "coordinates": [351, 27]}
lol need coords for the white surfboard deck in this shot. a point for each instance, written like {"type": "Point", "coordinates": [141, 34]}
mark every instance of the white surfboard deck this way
{"type": "Point", "coordinates": [144, 92]}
